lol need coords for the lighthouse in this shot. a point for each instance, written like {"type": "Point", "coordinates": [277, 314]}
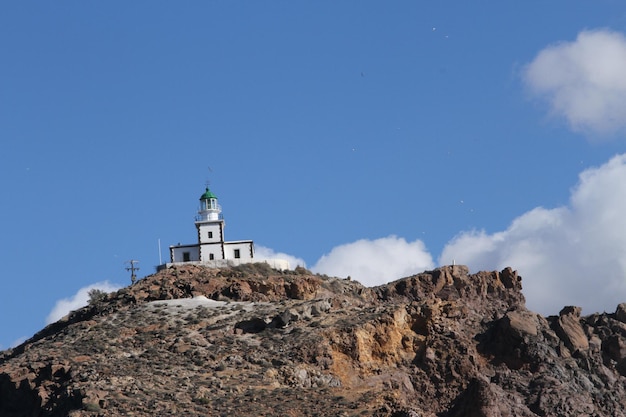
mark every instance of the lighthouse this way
{"type": "Point", "coordinates": [212, 248]}
{"type": "Point", "coordinates": [210, 225]}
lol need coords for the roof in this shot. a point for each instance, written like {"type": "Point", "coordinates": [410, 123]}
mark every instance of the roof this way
{"type": "Point", "coordinates": [207, 194]}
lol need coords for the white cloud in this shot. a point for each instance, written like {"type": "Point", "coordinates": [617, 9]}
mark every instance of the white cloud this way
{"type": "Point", "coordinates": [18, 342]}
{"type": "Point", "coordinates": [15, 343]}
{"type": "Point", "coordinates": [584, 81]}
{"type": "Point", "coordinates": [574, 255]}
{"type": "Point", "coordinates": [262, 253]}
{"type": "Point", "coordinates": [78, 300]}
{"type": "Point", "coordinates": [375, 262]}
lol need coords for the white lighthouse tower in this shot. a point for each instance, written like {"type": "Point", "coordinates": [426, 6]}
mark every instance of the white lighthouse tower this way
{"type": "Point", "coordinates": [212, 249]}
{"type": "Point", "coordinates": [210, 225]}
{"type": "Point", "coordinates": [209, 221]}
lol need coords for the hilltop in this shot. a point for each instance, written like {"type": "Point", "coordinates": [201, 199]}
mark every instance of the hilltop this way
{"type": "Point", "coordinates": [250, 340]}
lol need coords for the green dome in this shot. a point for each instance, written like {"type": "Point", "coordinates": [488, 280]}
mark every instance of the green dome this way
{"type": "Point", "coordinates": [207, 194]}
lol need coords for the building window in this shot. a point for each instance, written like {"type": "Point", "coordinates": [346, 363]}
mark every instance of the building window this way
{"type": "Point", "coordinates": [211, 257]}
{"type": "Point", "coordinates": [210, 235]}
{"type": "Point", "coordinates": [237, 254]}
{"type": "Point", "coordinates": [186, 257]}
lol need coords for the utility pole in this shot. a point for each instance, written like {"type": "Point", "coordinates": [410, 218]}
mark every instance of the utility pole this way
{"type": "Point", "coordinates": [132, 268]}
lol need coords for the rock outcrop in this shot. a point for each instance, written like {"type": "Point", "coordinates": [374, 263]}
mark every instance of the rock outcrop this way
{"type": "Point", "coordinates": [250, 340]}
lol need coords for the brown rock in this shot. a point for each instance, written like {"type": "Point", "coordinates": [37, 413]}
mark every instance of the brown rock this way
{"type": "Point", "coordinates": [521, 323]}
{"type": "Point", "coordinates": [510, 279]}
{"type": "Point", "coordinates": [620, 312]}
{"type": "Point", "coordinates": [569, 329]}
{"type": "Point", "coordinates": [615, 347]}
{"type": "Point", "coordinates": [269, 343]}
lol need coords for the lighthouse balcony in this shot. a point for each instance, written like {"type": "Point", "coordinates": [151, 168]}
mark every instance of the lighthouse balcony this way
{"type": "Point", "coordinates": [211, 215]}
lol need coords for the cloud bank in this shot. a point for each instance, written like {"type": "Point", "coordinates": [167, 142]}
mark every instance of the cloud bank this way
{"type": "Point", "coordinates": [375, 262]}
{"type": "Point", "coordinates": [570, 255]}
{"type": "Point", "coordinates": [78, 300]}
{"type": "Point", "coordinates": [583, 81]}
{"type": "Point", "coordinates": [262, 253]}
{"type": "Point", "coordinates": [573, 255]}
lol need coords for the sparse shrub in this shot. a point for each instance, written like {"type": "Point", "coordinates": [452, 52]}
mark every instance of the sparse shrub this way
{"type": "Point", "coordinates": [203, 313]}
{"type": "Point", "coordinates": [202, 400]}
{"type": "Point", "coordinates": [264, 269]}
{"type": "Point", "coordinates": [257, 268]}
{"type": "Point", "coordinates": [92, 407]}
{"type": "Point", "coordinates": [96, 296]}
{"type": "Point", "coordinates": [302, 271]}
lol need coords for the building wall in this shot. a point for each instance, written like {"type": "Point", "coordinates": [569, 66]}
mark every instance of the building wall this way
{"type": "Point", "coordinates": [211, 232]}
{"type": "Point", "coordinates": [177, 253]}
{"type": "Point", "coordinates": [245, 248]}
{"type": "Point", "coordinates": [216, 249]}
{"type": "Point", "coordinates": [280, 264]}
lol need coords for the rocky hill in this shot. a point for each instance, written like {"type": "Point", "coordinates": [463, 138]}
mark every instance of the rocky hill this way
{"type": "Point", "coordinates": [252, 341]}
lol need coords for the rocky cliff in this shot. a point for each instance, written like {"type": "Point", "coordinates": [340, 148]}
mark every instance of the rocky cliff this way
{"type": "Point", "coordinates": [249, 340]}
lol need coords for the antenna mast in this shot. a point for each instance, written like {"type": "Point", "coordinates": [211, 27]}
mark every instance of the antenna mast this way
{"type": "Point", "coordinates": [208, 182]}
{"type": "Point", "coordinates": [132, 268]}
{"type": "Point", "coordinates": [160, 259]}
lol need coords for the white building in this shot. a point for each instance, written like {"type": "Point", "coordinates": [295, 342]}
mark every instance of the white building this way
{"type": "Point", "coordinates": [212, 249]}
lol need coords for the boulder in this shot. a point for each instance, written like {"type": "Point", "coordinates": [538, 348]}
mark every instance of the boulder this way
{"type": "Point", "coordinates": [620, 312]}
{"type": "Point", "coordinates": [570, 331]}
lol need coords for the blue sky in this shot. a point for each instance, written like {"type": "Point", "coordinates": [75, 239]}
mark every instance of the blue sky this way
{"type": "Point", "coordinates": [371, 139]}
